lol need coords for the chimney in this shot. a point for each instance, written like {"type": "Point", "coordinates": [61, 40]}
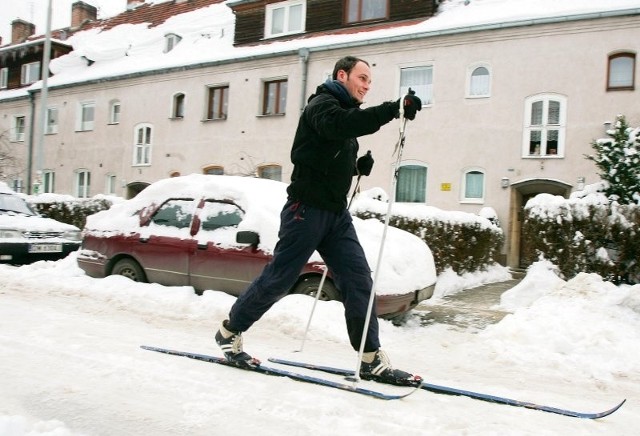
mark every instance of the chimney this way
{"type": "Point", "coordinates": [82, 12]}
{"type": "Point", "coordinates": [132, 4]}
{"type": "Point", "coordinates": [21, 30]}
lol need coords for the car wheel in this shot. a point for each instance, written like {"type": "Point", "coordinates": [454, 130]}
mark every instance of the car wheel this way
{"type": "Point", "coordinates": [310, 285]}
{"type": "Point", "coordinates": [131, 269]}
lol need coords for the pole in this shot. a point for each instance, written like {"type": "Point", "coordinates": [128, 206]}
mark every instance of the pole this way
{"type": "Point", "coordinates": [399, 147]}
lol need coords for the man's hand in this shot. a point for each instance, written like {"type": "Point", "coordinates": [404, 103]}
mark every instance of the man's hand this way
{"type": "Point", "coordinates": [412, 105]}
{"type": "Point", "coordinates": [364, 164]}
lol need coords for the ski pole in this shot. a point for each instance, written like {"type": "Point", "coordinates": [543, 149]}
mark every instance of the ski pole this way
{"type": "Point", "coordinates": [398, 148]}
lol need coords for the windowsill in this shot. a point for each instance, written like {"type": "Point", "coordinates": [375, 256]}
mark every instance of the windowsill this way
{"type": "Point", "coordinates": [176, 118]}
{"type": "Point", "coordinates": [472, 201]}
{"type": "Point", "coordinates": [622, 88]}
{"type": "Point", "coordinates": [113, 124]}
{"type": "Point", "coordinates": [209, 120]}
{"type": "Point", "coordinates": [269, 115]}
{"type": "Point", "coordinates": [141, 165]}
{"type": "Point", "coordinates": [544, 156]}
{"type": "Point", "coordinates": [477, 97]}
{"type": "Point", "coordinates": [81, 131]}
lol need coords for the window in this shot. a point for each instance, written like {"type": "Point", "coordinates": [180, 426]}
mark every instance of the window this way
{"type": "Point", "coordinates": [170, 41]}
{"type": "Point", "coordinates": [218, 101]}
{"type": "Point", "coordinates": [51, 126]}
{"type": "Point", "coordinates": [4, 78]}
{"type": "Point", "coordinates": [285, 18]}
{"type": "Point", "coordinates": [479, 82]}
{"type": "Point", "coordinates": [220, 214]}
{"type": "Point", "coordinates": [275, 97]}
{"type": "Point", "coordinates": [18, 128]}
{"type": "Point", "coordinates": [473, 185]}
{"type": "Point", "coordinates": [30, 73]}
{"type": "Point", "coordinates": [83, 183]}
{"type": "Point", "coordinates": [114, 112]}
{"type": "Point", "coordinates": [365, 10]}
{"type": "Point", "coordinates": [213, 170]}
{"type": "Point", "coordinates": [621, 72]}
{"type": "Point", "coordinates": [412, 184]}
{"type": "Point", "coordinates": [273, 172]}
{"type": "Point", "coordinates": [544, 128]}
{"type": "Point", "coordinates": [175, 213]}
{"type": "Point", "coordinates": [142, 145]}
{"type": "Point", "coordinates": [110, 184]}
{"type": "Point", "coordinates": [420, 80]}
{"type": "Point", "coordinates": [178, 106]}
{"type": "Point", "coordinates": [48, 181]}
{"type": "Point", "coordinates": [86, 114]}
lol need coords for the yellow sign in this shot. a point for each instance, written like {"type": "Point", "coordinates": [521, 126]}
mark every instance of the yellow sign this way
{"type": "Point", "coordinates": [445, 186]}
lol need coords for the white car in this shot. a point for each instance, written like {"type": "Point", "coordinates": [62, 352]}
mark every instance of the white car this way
{"type": "Point", "coordinates": [26, 237]}
{"type": "Point", "coordinates": [218, 232]}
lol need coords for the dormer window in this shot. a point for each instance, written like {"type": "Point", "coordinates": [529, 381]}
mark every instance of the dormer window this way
{"type": "Point", "coordinates": [30, 73]}
{"type": "Point", "coordinates": [170, 41]}
{"type": "Point", "coordinates": [285, 18]}
{"type": "Point", "coordinates": [366, 10]}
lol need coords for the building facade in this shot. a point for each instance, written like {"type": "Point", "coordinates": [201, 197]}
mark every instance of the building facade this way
{"type": "Point", "coordinates": [510, 109]}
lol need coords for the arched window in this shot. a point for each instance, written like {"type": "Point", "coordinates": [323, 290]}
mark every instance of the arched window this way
{"type": "Point", "coordinates": [272, 172]}
{"type": "Point", "coordinates": [214, 170]}
{"type": "Point", "coordinates": [479, 81]}
{"type": "Point", "coordinates": [177, 110]}
{"type": "Point", "coordinates": [412, 184]}
{"type": "Point", "coordinates": [473, 182]}
{"type": "Point", "coordinates": [621, 72]}
{"type": "Point", "coordinates": [142, 143]}
{"type": "Point", "coordinates": [545, 123]}
{"type": "Point", "coordinates": [114, 111]}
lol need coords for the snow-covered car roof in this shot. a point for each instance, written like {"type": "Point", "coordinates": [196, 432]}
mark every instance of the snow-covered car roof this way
{"type": "Point", "coordinates": [407, 260]}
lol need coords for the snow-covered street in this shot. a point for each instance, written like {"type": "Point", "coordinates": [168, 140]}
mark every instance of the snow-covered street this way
{"type": "Point", "coordinates": [71, 363]}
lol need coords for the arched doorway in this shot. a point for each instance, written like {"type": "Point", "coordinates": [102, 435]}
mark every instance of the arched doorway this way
{"type": "Point", "coordinates": [134, 188]}
{"type": "Point", "coordinates": [521, 192]}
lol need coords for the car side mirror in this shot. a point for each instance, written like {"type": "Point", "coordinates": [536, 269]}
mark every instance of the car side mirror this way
{"type": "Point", "coordinates": [247, 237]}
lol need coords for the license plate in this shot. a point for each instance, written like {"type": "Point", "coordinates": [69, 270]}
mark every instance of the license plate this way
{"type": "Point", "coordinates": [45, 248]}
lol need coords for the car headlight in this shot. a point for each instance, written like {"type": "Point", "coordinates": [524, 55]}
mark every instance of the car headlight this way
{"type": "Point", "coordinates": [72, 235]}
{"type": "Point", "coordinates": [11, 234]}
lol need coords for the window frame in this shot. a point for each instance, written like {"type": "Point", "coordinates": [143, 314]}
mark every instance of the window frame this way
{"type": "Point", "coordinates": [426, 94]}
{"type": "Point", "coordinates": [613, 57]}
{"type": "Point", "coordinates": [48, 181]}
{"type": "Point", "coordinates": [287, 5]}
{"type": "Point", "coordinates": [26, 71]}
{"type": "Point", "coordinates": [83, 125]}
{"type": "Point", "coordinates": [18, 131]}
{"type": "Point", "coordinates": [545, 127]}
{"type": "Point", "coordinates": [348, 4]}
{"type": "Point", "coordinates": [470, 88]}
{"type": "Point", "coordinates": [422, 190]}
{"type": "Point", "coordinates": [51, 122]}
{"type": "Point", "coordinates": [178, 106]}
{"type": "Point", "coordinates": [4, 77]}
{"type": "Point", "coordinates": [217, 107]}
{"type": "Point", "coordinates": [464, 197]}
{"type": "Point", "coordinates": [82, 182]}
{"type": "Point", "coordinates": [114, 111]}
{"type": "Point", "coordinates": [142, 150]}
{"type": "Point", "coordinates": [270, 172]}
{"type": "Point", "coordinates": [278, 99]}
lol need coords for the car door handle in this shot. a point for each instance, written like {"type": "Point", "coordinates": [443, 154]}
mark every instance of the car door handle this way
{"type": "Point", "coordinates": [144, 240]}
{"type": "Point", "coordinates": [202, 246]}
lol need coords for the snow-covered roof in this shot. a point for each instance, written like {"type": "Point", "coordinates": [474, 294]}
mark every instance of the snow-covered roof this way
{"type": "Point", "coordinates": [207, 36]}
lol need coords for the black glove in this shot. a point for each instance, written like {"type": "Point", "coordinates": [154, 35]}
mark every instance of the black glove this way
{"type": "Point", "coordinates": [364, 164]}
{"type": "Point", "coordinates": [412, 105]}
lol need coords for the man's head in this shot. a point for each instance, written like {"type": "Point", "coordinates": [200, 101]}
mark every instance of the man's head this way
{"type": "Point", "coordinates": [355, 75]}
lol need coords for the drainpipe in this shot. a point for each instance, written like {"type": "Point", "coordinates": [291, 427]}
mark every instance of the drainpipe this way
{"type": "Point", "coordinates": [32, 120]}
{"type": "Point", "coordinates": [304, 57]}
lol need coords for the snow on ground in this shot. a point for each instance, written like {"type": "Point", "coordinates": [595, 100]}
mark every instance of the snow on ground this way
{"type": "Point", "coordinates": [71, 363]}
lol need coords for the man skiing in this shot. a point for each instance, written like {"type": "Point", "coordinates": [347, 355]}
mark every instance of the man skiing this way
{"type": "Point", "coordinates": [315, 216]}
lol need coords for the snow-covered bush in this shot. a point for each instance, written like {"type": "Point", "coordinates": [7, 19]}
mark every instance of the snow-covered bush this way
{"type": "Point", "coordinates": [462, 241]}
{"type": "Point", "coordinates": [585, 233]}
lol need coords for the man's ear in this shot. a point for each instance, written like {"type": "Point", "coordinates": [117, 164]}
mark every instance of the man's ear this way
{"type": "Point", "coordinates": [342, 75]}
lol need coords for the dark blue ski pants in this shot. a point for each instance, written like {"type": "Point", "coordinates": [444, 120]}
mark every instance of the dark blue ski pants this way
{"type": "Point", "coordinates": [304, 229]}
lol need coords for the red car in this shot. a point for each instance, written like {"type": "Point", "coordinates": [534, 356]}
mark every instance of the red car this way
{"type": "Point", "coordinates": [218, 232]}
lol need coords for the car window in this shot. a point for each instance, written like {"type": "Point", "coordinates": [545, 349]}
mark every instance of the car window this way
{"type": "Point", "coordinates": [218, 214]}
{"type": "Point", "coordinates": [13, 203]}
{"type": "Point", "coordinates": [174, 213]}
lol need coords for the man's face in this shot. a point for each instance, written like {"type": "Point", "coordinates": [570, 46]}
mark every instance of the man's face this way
{"type": "Point", "coordinates": [357, 82]}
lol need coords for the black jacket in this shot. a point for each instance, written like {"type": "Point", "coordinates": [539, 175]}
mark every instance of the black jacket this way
{"type": "Point", "coordinates": [325, 147]}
